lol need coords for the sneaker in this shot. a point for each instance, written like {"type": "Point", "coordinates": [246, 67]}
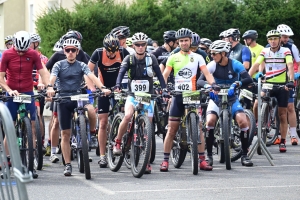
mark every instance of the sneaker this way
{"type": "Point", "coordinates": [102, 162]}
{"type": "Point", "coordinates": [164, 166]}
{"type": "Point", "coordinates": [68, 170]}
{"type": "Point", "coordinates": [34, 174]}
{"type": "Point", "coordinates": [54, 158]}
{"type": "Point", "coordinates": [277, 141]}
{"type": "Point", "coordinates": [294, 141]}
{"type": "Point", "coordinates": [48, 151]}
{"type": "Point", "coordinates": [148, 169]}
{"type": "Point", "coordinates": [210, 160]}
{"type": "Point", "coordinates": [282, 148]}
{"type": "Point", "coordinates": [204, 164]}
{"type": "Point", "coordinates": [90, 159]}
{"type": "Point", "coordinates": [245, 160]}
{"type": "Point", "coordinates": [44, 150]}
{"type": "Point", "coordinates": [117, 149]}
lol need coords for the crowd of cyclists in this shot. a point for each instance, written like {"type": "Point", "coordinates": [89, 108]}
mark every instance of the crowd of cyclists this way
{"type": "Point", "coordinates": [185, 60]}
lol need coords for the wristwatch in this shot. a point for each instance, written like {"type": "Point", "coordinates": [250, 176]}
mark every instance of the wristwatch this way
{"type": "Point", "coordinates": [49, 85]}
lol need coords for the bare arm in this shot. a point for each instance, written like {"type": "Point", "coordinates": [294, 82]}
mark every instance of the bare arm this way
{"type": "Point", "coordinates": [253, 69]}
{"type": "Point", "coordinates": [166, 74]}
{"type": "Point", "coordinates": [162, 68]}
{"type": "Point", "coordinates": [291, 70]}
{"type": "Point", "coordinates": [91, 66]}
{"type": "Point", "coordinates": [246, 64]}
{"type": "Point", "coordinates": [89, 83]}
{"type": "Point", "coordinates": [210, 79]}
{"type": "Point", "coordinates": [44, 75]}
{"type": "Point", "coordinates": [261, 67]}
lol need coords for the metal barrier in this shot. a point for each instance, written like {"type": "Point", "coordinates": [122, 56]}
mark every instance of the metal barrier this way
{"type": "Point", "coordinates": [15, 184]}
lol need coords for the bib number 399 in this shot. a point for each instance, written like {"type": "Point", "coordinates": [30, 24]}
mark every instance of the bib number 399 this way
{"type": "Point", "coordinates": [140, 86]}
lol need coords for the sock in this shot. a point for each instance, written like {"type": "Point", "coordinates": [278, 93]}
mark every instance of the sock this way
{"type": "Point", "coordinates": [53, 150]}
{"type": "Point", "coordinates": [102, 155]}
{"type": "Point", "coordinates": [118, 141]}
{"type": "Point", "coordinates": [293, 132]}
{"type": "Point", "coordinates": [282, 141]}
{"type": "Point", "coordinates": [209, 141]}
{"type": "Point", "coordinates": [49, 143]}
{"type": "Point", "coordinates": [93, 132]}
{"type": "Point", "coordinates": [201, 157]}
{"type": "Point", "coordinates": [166, 157]}
{"type": "Point", "coordinates": [244, 136]}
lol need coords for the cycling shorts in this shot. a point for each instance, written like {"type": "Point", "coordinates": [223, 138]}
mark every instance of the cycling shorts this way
{"type": "Point", "coordinates": [281, 95]}
{"type": "Point", "coordinates": [213, 108]}
{"type": "Point", "coordinates": [104, 103]}
{"type": "Point", "coordinates": [65, 109]}
{"type": "Point", "coordinates": [291, 97]}
{"type": "Point", "coordinates": [150, 108]}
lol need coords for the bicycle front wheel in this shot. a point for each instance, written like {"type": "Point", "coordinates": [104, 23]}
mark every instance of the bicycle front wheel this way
{"type": "Point", "coordinates": [179, 149]}
{"type": "Point", "coordinates": [273, 124]}
{"type": "Point", "coordinates": [39, 144]}
{"type": "Point", "coordinates": [141, 147]}
{"type": "Point", "coordinates": [84, 144]}
{"type": "Point", "coordinates": [225, 135]}
{"type": "Point", "coordinates": [193, 134]}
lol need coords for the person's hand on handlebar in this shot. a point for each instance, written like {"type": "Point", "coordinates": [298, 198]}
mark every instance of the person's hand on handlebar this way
{"type": "Point", "coordinates": [117, 88]}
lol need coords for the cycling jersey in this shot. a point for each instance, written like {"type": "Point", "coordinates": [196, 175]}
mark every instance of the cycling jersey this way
{"type": "Point", "coordinates": [255, 51]}
{"type": "Point", "coordinates": [185, 68]}
{"type": "Point", "coordinates": [240, 53]}
{"type": "Point", "coordinates": [19, 68]}
{"type": "Point", "coordinates": [160, 53]}
{"type": "Point", "coordinates": [108, 68]}
{"type": "Point", "coordinates": [275, 64]}
{"type": "Point", "coordinates": [35, 74]}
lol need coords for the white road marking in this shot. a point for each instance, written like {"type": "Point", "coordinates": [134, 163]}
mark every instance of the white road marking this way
{"type": "Point", "coordinates": [95, 186]}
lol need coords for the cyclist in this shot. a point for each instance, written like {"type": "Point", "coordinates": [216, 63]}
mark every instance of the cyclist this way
{"type": "Point", "coordinates": [227, 71]}
{"type": "Point", "coordinates": [170, 43]}
{"type": "Point", "coordinates": [223, 35]}
{"type": "Point", "coordinates": [204, 45]}
{"type": "Point", "coordinates": [8, 40]}
{"type": "Point", "coordinates": [276, 59]}
{"type": "Point", "coordinates": [109, 59]}
{"type": "Point", "coordinates": [17, 65]}
{"type": "Point", "coordinates": [129, 42]}
{"type": "Point", "coordinates": [182, 63]}
{"type": "Point", "coordinates": [70, 73]}
{"type": "Point", "coordinates": [138, 69]}
{"type": "Point", "coordinates": [286, 33]}
{"type": "Point", "coordinates": [155, 44]}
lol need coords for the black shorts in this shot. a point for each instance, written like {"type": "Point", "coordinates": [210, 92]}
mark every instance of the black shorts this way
{"type": "Point", "coordinates": [282, 97]}
{"type": "Point", "coordinates": [103, 105]}
{"type": "Point", "coordinates": [177, 107]}
{"type": "Point", "coordinates": [65, 109]}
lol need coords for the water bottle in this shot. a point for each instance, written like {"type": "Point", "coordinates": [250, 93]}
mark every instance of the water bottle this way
{"type": "Point", "coordinates": [20, 142]}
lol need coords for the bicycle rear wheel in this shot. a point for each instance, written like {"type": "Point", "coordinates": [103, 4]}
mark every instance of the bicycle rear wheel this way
{"type": "Point", "coordinates": [193, 134]}
{"type": "Point", "coordinates": [153, 149]}
{"type": "Point", "coordinates": [273, 126]}
{"type": "Point", "coordinates": [225, 134]}
{"type": "Point", "coordinates": [27, 144]}
{"type": "Point", "coordinates": [179, 149]}
{"type": "Point", "coordinates": [39, 144]}
{"type": "Point", "coordinates": [141, 147]}
{"type": "Point", "coordinates": [114, 161]}
{"type": "Point", "coordinates": [83, 123]}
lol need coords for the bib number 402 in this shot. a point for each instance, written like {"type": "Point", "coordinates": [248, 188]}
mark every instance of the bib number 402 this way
{"type": "Point", "coordinates": [183, 87]}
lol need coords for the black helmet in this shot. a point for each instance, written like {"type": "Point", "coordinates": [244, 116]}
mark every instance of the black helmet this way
{"type": "Point", "coordinates": [121, 31]}
{"type": "Point", "coordinates": [150, 42]}
{"type": "Point", "coordinates": [111, 43]}
{"type": "Point", "coordinates": [183, 33]}
{"type": "Point", "coordinates": [233, 32]}
{"type": "Point", "coordinates": [250, 34]}
{"type": "Point", "coordinates": [169, 36]}
{"type": "Point", "coordinates": [73, 34]}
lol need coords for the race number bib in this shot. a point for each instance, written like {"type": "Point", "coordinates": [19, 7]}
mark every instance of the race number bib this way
{"type": "Point", "coordinates": [183, 85]}
{"type": "Point", "coordinates": [22, 98]}
{"type": "Point", "coordinates": [140, 86]}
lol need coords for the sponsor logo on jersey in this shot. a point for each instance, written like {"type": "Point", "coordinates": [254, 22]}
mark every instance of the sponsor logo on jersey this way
{"type": "Point", "coordinates": [185, 73]}
{"type": "Point", "coordinates": [192, 59]}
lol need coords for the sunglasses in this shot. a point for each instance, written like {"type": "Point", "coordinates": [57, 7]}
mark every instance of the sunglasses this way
{"type": "Point", "coordinates": [213, 54]}
{"type": "Point", "coordinates": [140, 45]}
{"type": "Point", "coordinates": [203, 48]}
{"type": "Point", "coordinates": [21, 51]}
{"type": "Point", "coordinates": [273, 38]}
{"type": "Point", "coordinates": [72, 50]}
{"type": "Point", "coordinates": [9, 43]}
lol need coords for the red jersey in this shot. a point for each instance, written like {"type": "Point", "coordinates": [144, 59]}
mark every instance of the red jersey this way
{"type": "Point", "coordinates": [19, 69]}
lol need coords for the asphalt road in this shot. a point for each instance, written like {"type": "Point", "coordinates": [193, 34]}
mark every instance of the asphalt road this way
{"type": "Point", "coordinates": [262, 181]}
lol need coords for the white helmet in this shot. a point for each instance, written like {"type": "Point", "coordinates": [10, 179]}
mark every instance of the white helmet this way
{"type": "Point", "coordinates": [285, 30]}
{"type": "Point", "coordinates": [35, 37]}
{"type": "Point", "coordinates": [57, 46]}
{"type": "Point", "coordinates": [139, 37]}
{"type": "Point", "coordinates": [71, 43]}
{"type": "Point", "coordinates": [220, 46]}
{"type": "Point", "coordinates": [22, 40]}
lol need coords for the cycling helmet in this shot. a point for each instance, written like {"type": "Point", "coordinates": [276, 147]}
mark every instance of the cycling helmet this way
{"type": "Point", "coordinates": [35, 37]}
{"type": "Point", "coordinates": [73, 34]}
{"type": "Point", "coordinates": [72, 42]}
{"type": "Point", "coordinates": [8, 38]}
{"type": "Point", "coordinates": [121, 31]}
{"type": "Point", "coordinates": [250, 34]}
{"type": "Point", "coordinates": [273, 33]}
{"type": "Point", "coordinates": [149, 42]}
{"type": "Point", "coordinates": [22, 40]}
{"type": "Point", "coordinates": [57, 46]}
{"type": "Point", "coordinates": [220, 46]}
{"type": "Point", "coordinates": [183, 33]}
{"type": "Point", "coordinates": [206, 42]}
{"type": "Point", "coordinates": [111, 43]}
{"type": "Point", "coordinates": [129, 42]}
{"type": "Point", "coordinates": [169, 36]}
{"type": "Point", "coordinates": [139, 37]}
{"type": "Point", "coordinates": [195, 40]}
{"type": "Point", "coordinates": [233, 32]}
{"type": "Point", "coordinates": [285, 30]}
{"type": "Point", "coordinates": [222, 35]}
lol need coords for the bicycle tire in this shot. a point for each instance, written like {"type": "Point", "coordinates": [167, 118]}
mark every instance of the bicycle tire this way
{"type": "Point", "coordinates": [265, 112]}
{"type": "Point", "coordinates": [252, 128]}
{"type": "Point", "coordinates": [275, 123]}
{"type": "Point", "coordinates": [220, 150]}
{"type": "Point", "coordinates": [39, 144]}
{"type": "Point", "coordinates": [179, 149]}
{"type": "Point", "coordinates": [153, 148]}
{"type": "Point", "coordinates": [83, 123]}
{"type": "Point", "coordinates": [27, 132]}
{"type": "Point", "coordinates": [143, 147]}
{"type": "Point", "coordinates": [297, 110]}
{"type": "Point", "coordinates": [114, 162]}
{"type": "Point", "coordinates": [193, 133]}
{"type": "Point", "coordinates": [225, 134]}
